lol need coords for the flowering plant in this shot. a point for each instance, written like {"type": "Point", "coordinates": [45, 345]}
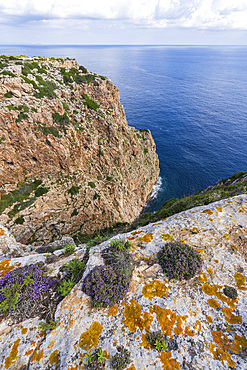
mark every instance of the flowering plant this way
{"type": "Point", "coordinates": [179, 261]}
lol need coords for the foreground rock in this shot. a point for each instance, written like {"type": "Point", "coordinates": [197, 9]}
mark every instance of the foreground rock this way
{"type": "Point", "coordinates": [69, 162]}
{"type": "Point", "coordinates": [205, 328]}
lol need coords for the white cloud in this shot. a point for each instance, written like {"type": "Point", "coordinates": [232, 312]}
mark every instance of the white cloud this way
{"type": "Point", "coordinates": [202, 14]}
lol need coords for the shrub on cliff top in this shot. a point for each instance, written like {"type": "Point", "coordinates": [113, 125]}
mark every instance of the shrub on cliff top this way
{"type": "Point", "coordinates": [23, 291]}
{"type": "Point", "coordinates": [179, 261]}
{"type": "Point", "coordinates": [105, 286]}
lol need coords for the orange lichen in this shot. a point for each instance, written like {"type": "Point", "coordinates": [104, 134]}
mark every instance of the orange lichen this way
{"type": "Point", "coordinates": [219, 209]}
{"type": "Point", "coordinates": [166, 319]}
{"type": "Point", "coordinates": [55, 357]}
{"type": "Point", "coordinates": [209, 319]}
{"type": "Point", "coordinates": [113, 310]}
{"type": "Point", "coordinates": [195, 230]}
{"type": "Point", "coordinates": [240, 281]}
{"type": "Point", "coordinates": [37, 355]}
{"type": "Point", "coordinates": [90, 338]}
{"type": "Point", "coordinates": [203, 277]}
{"type": "Point", "coordinates": [24, 330]}
{"type": "Point", "coordinates": [155, 289]}
{"type": "Point", "coordinates": [137, 232]}
{"type": "Point", "coordinates": [132, 367]}
{"type": "Point", "coordinates": [213, 303]}
{"type": "Point", "coordinates": [51, 344]}
{"type": "Point", "coordinates": [13, 356]}
{"type": "Point", "coordinates": [188, 331]}
{"type": "Point", "coordinates": [230, 317]}
{"type": "Point", "coordinates": [179, 321]}
{"type": "Point", "coordinates": [5, 267]}
{"type": "Point", "coordinates": [133, 317]}
{"type": "Point", "coordinates": [144, 342]}
{"type": "Point", "coordinates": [214, 290]}
{"type": "Point", "coordinates": [208, 211]}
{"type": "Point", "coordinates": [234, 247]}
{"type": "Point", "coordinates": [182, 241]}
{"type": "Point", "coordinates": [220, 355]}
{"type": "Point", "coordinates": [216, 261]}
{"type": "Point", "coordinates": [168, 362]}
{"type": "Point", "coordinates": [199, 250]}
{"type": "Point", "coordinates": [145, 238]}
{"type": "Point", "coordinates": [165, 237]}
{"type": "Point", "coordinates": [197, 325]}
{"type": "Point", "coordinates": [210, 271]}
{"type": "Point", "coordinates": [28, 353]}
{"type": "Point", "coordinates": [2, 232]}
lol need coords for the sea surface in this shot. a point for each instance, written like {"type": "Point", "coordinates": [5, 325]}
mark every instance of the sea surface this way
{"type": "Point", "coordinates": [193, 99]}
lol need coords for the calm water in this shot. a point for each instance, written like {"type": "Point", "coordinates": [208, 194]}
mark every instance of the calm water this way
{"type": "Point", "coordinates": [193, 99]}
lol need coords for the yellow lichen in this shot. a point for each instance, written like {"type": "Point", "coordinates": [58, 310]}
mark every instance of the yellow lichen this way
{"type": "Point", "coordinates": [24, 330]}
{"type": "Point", "coordinates": [155, 289]}
{"type": "Point", "coordinates": [165, 237]}
{"type": "Point", "coordinates": [210, 271]}
{"type": "Point", "coordinates": [213, 303]}
{"type": "Point", "coordinates": [230, 317]}
{"type": "Point", "coordinates": [208, 211]}
{"type": "Point", "coordinates": [144, 342]}
{"type": "Point", "coordinates": [133, 317]}
{"type": "Point", "coordinates": [166, 319]}
{"type": "Point", "coordinates": [113, 310]}
{"type": "Point", "coordinates": [55, 357]}
{"type": "Point", "coordinates": [199, 250]}
{"type": "Point", "coordinates": [168, 362]}
{"type": "Point", "coordinates": [145, 238]}
{"type": "Point", "coordinates": [203, 277]}
{"type": "Point", "coordinates": [37, 355]}
{"type": "Point", "coordinates": [5, 267]}
{"type": "Point", "coordinates": [240, 281]}
{"type": "Point", "coordinates": [226, 236]}
{"type": "Point", "coordinates": [219, 209]}
{"type": "Point", "coordinates": [209, 319]}
{"type": "Point", "coordinates": [137, 232]}
{"type": "Point", "coordinates": [13, 356]}
{"type": "Point", "coordinates": [90, 338]}
{"type": "Point", "coordinates": [2, 232]}
{"type": "Point", "coordinates": [182, 241]}
{"type": "Point", "coordinates": [234, 247]}
{"type": "Point", "coordinates": [132, 367]}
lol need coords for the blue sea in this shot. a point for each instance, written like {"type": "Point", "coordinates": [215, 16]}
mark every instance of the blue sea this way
{"type": "Point", "coordinates": [193, 99]}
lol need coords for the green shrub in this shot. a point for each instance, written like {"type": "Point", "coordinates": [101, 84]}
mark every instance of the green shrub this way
{"type": "Point", "coordinates": [145, 150]}
{"type": "Point", "coordinates": [46, 90]}
{"type": "Point", "coordinates": [91, 184]}
{"type": "Point", "coordinates": [65, 105]}
{"type": "Point", "coordinates": [22, 116]}
{"type": "Point", "coordinates": [7, 73]}
{"type": "Point", "coordinates": [8, 94]}
{"type": "Point", "coordinates": [74, 190]}
{"type": "Point", "coordinates": [83, 69]}
{"type": "Point", "coordinates": [118, 257]}
{"type": "Point", "coordinates": [73, 267]}
{"type": "Point", "coordinates": [91, 104]}
{"type": "Point", "coordinates": [74, 213]}
{"type": "Point", "coordinates": [121, 359]}
{"type": "Point", "coordinates": [20, 220]}
{"type": "Point", "coordinates": [95, 360]}
{"type": "Point", "coordinates": [179, 261]}
{"type": "Point", "coordinates": [47, 130]}
{"type": "Point", "coordinates": [2, 139]}
{"type": "Point", "coordinates": [61, 119]}
{"type": "Point", "coordinates": [157, 340]}
{"type": "Point", "coordinates": [96, 196]}
{"type": "Point", "coordinates": [41, 191]}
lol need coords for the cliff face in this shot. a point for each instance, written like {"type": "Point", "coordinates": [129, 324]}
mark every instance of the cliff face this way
{"type": "Point", "coordinates": [204, 326]}
{"type": "Point", "coordinates": [69, 161]}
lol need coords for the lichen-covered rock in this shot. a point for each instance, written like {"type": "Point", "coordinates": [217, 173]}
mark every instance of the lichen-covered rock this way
{"type": "Point", "coordinates": [204, 327]}
{"type": "Point", "coordinates": [69, 162]}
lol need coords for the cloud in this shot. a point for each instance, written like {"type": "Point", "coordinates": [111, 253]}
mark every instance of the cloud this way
{"type": "Point", "coordinates": [202, 14]}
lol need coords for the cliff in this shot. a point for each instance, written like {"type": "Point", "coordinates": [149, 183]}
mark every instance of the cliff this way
{"type": "Point", "coordinates": [203, 319]}
{"type": "Point", "coordinates": [69, 162]}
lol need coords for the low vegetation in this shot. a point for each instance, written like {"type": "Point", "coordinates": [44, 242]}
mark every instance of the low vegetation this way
{"type": "Point", "coordinates": [121, 359]}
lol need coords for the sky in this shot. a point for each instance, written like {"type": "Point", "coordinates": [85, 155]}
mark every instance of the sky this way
{"type": "Point", "coordinates": [123, 22]}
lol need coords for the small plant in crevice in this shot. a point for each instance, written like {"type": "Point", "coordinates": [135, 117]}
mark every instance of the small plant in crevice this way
{"type": "Point", "coordinates": [179, 261]}
{"type": "Point", "coordinates": [45, 326]}
{"type": "Point", "coordinates": [95, 360]}
{"type": "Point", "coordinates": [65, 287]}
{"type": "Point", "coordinates": [69, 249]}
{"type": "Point", "coordinates": [74, 267]}
{"type": "Point", "coordinates": [121, 359]}
{"type": "Point", "coordinates": [105, 286]}
{"type": "Point", "coordinates": [230, 292]}
{"type": "Point", "coordinates": [119, 258]}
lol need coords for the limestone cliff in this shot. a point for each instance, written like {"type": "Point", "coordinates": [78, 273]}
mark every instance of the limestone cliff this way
{"type": "Point", "coordinates": [69, 162]}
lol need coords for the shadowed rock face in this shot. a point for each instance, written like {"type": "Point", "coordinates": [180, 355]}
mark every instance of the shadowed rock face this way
{"type": "Point", "coordinates": [66, 127]}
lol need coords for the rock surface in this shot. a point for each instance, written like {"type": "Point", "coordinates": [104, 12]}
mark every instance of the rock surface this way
{"type": "Point", "coordinates": [69, 162]}
{"type": "Point", "coordinates": [207, 329]}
